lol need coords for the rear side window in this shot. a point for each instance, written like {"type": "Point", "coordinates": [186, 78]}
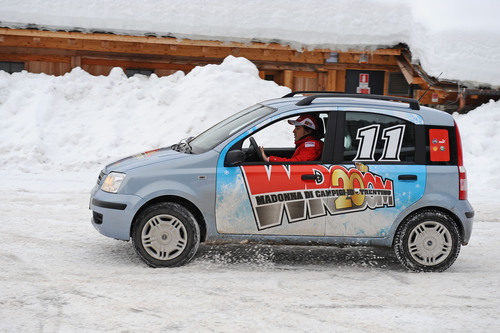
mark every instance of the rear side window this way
{"type": "Point", "coordinates": [373, 138]}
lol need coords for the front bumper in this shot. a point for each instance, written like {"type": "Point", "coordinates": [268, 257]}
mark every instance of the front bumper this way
{"type": "Point", "coordinates": [113, 213]}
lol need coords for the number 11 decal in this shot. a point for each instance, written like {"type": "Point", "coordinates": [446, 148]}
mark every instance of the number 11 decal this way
{"type": "Point", "coordinates": [368, 135]}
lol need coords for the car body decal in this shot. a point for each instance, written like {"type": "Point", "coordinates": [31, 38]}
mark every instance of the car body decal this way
{"type": "Point", "coordinates": [275, 190]}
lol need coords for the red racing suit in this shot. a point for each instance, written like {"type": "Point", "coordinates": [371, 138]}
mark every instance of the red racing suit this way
{"type": "Point", "coordinates": [307, 149]}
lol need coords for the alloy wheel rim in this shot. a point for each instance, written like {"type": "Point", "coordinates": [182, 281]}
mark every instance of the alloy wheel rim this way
{"type": "Point", "coordinates": [164, 237]}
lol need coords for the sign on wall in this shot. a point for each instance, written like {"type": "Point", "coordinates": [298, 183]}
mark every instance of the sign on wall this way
{"type": "Point", "coordinates": [363, 87]}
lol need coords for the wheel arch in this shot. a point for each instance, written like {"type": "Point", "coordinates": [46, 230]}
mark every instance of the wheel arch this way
{"type": "Point", "coordinates": [448, 212]}
{"type": "Point", "coordinates": [181, 201]}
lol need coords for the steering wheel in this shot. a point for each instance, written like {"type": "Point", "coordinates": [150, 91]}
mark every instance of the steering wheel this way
{"type": "Point", "coordinates": [255, 148]}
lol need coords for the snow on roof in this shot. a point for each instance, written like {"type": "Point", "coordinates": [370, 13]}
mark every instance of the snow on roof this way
{"type": "Point", "coordinates": [455, 37]}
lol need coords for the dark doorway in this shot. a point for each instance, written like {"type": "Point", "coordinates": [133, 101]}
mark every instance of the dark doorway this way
{"type": "Point", "coordinates": [374, 80]}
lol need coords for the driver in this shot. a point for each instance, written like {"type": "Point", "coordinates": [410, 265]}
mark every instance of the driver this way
{"type": "Point", "coordinates": [307, 135]}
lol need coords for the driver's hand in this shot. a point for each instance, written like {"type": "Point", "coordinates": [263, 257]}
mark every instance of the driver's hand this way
{"type": "Point", "coordinates": [264, 157]}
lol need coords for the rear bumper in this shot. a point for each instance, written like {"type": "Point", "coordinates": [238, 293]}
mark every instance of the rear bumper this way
{"type": "Point", "coordinates": [113, 213]}
{"type": "Point", "coordinates": [464, 211]}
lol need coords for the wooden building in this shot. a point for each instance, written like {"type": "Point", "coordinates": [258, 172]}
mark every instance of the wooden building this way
{"type": "Point", "coordinates": [387, 71]}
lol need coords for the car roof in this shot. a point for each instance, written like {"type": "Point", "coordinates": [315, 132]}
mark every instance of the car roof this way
{"type": "Point", "coordinates": [429, 115]}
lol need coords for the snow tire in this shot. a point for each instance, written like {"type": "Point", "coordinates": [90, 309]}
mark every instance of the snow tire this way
{"type": "Point", "coordinates": [412, 239]}
{"type": "Point", "coordinates": [174, 222]}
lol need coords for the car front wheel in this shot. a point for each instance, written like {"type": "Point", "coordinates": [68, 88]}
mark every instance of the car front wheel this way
{"type": "Point", "coordinates": [166, 235]}
{"type": "Point", "coordinates": [427, 241]}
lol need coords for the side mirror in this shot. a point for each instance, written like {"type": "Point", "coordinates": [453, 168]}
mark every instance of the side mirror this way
{"type": "Point", "coordinates": [234, 157]}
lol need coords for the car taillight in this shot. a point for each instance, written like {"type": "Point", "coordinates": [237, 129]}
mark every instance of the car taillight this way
{"type": "Point", "coordinates": [462, 175]}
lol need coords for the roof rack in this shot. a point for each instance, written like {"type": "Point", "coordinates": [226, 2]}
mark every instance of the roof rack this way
{"type": "Point", "coordinates": [414, 105]}
{"type": "Point", "coordinates": [293, 93]}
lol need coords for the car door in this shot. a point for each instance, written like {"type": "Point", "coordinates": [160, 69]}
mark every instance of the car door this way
{"type": "Point", "coordinates": [273, 198]}
{"type": "Point", "coordinates": [380, 167]}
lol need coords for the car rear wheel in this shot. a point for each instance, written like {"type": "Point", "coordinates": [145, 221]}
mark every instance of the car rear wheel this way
{"type": "Point", "coordinates": [428, 241]}
{"type": "Point", "coordinates": [165, 235]}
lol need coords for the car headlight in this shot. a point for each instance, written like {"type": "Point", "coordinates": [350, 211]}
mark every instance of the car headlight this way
{"type": "Point", "coordinates": [112, 182]}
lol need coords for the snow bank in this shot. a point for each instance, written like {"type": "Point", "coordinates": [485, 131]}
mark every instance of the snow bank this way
{"type": "Point", "coordinates": [79, 121]}
{"type": "Point", "coordinates": [480, 132]}
{"type": "Point", "coordinates": [451, 36]}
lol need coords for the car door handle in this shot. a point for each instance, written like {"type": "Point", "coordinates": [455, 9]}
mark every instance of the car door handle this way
{"type": "Point", "coordinates": [407, 177]}
{"type": "Point", "coordinates": [308, 177]}
{"type": "Point", "coordinates": [316, 176]}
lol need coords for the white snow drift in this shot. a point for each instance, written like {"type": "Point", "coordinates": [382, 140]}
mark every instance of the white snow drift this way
{"type": "Point", "coordinates": [78, 120]}
{"type": "Point", "coordinates": [480, 131]}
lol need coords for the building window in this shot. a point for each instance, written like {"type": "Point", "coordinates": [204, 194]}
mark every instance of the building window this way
{"type": "Point", "coordinates": [398, 85]}
{"type": "Point", "coordinates": [269, 77]}
{"type": "Point", "coordinates": [132, 71]}
{"type": "Point", "coordinates": [11, 67]}
{"type": "Point", "coordinates": [333, 58]}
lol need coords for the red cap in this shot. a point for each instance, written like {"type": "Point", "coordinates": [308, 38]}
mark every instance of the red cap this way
{"type": "Point", "coordinates": [305, 120]}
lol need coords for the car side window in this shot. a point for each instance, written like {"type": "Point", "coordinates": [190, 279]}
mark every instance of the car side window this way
{"type": "Point", "coordinates": [372, 137]}
{"type": "Point", "coordinates": [278, 138]}
{"type": "Point", "coordinates": [276, 135]}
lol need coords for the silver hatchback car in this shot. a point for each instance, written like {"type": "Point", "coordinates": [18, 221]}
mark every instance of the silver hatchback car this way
{"type": "Point", "coordinates": [390, 173]}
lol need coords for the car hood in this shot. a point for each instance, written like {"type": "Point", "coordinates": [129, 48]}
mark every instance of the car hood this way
{"type": "Point", "coordinates": [148, 157]}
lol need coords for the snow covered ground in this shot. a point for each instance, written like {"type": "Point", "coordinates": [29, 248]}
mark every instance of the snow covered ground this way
{"type": "Point", "coordinates": [59, 274]}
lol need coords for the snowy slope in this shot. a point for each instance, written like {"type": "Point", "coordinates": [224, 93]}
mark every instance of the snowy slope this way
{"type": "Point", "coordinates": [452, 36]}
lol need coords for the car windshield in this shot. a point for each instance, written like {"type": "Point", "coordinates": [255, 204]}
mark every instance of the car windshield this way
{"type": "Point", "coordinates": [223, 130]}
